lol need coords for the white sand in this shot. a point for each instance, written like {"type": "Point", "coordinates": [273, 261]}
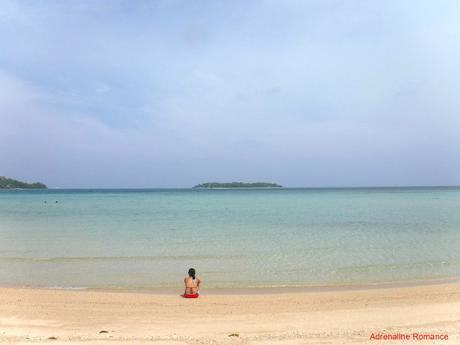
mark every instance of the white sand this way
{"type": "Point", "coordinates": [29, 316]}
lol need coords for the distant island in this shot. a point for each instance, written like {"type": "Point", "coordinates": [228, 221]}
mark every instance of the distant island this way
{"type": "Point", "coordinates": [9, 183]}
{"type": "Point", "coordinates": [237, 185]}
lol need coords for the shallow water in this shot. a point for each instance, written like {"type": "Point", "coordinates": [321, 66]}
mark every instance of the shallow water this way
{"type": "Point", "coordinates": [234, 238]}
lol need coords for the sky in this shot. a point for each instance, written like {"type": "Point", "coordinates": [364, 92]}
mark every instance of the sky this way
{"type": "Point", "coordinates": [112, 94]}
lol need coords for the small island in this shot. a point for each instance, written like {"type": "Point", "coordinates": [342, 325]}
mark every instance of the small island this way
{"type": "Point", "coordinates": [9, 183]}
{"type": "Point", "coordinates": [210, 185]}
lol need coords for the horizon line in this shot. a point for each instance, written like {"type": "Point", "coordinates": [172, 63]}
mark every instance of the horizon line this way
{"type": "Point", "coordinates": [283, 187]}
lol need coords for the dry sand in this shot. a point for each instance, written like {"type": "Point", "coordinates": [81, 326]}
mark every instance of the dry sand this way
{"type": "Point", "coordinates": [29, 316]}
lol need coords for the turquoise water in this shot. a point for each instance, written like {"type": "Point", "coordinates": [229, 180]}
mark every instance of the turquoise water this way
{"type": "Point", "coordinates": [234, 238]}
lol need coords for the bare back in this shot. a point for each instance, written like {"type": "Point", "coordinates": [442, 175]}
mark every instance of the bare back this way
{"type": "Point", "coordinates": [191, 285]}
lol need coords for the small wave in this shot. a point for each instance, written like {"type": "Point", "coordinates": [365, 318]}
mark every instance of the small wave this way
{"type": "Point", "coordinates": [77, 288]}
{"type": "Point", "coordinates": [384, 267]}
{"type": "Point", "coordinates": [117, 258]}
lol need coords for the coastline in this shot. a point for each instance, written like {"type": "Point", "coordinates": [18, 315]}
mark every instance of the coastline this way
{"type": "Point", "coordinates": [256, 290]}
{"type": "Point", "coordinates": [291, 317]}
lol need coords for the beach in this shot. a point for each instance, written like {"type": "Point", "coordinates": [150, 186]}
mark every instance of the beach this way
{"type": "Point", "coordinates": [288, 266]}
{"type": "Point", "coordinates": [343, 316]}
{"type": "Point", "coordinates": [229, 172]}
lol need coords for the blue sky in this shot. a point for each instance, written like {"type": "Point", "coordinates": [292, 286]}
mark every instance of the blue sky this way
{"type": "Point", "coordinates": [174, 93]}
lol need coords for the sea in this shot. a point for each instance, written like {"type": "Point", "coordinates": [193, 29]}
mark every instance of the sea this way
{"type": "Point", "coordinates": [234, 238]}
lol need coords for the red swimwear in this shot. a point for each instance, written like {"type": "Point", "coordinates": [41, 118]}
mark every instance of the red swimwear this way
{"type": "Point", "coordinates": [186, 295]}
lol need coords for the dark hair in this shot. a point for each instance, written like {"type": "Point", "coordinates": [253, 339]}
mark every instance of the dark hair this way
{"type": "Point", "coordinates": [191, 273]}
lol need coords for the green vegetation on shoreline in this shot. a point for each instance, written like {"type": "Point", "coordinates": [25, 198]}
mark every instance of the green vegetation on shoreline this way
{"type": "Point", "coordinates": [9, 183]}
{"type": "Point", "coordinates": [211, 185]}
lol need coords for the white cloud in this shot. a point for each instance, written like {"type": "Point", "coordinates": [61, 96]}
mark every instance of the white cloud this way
{"type": "Point", "coordinates": [102, 88]}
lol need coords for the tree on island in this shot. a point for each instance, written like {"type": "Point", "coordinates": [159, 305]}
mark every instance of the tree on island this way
{"type": "Point", "coordinates": [238, 185]}
{"type": "Point", "coordinates": [9, 183]}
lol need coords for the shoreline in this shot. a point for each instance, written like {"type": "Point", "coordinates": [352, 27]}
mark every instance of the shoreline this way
{"type": "Point", "coordinates": [255, 290]}
{"type": "Point", "coordinates": [349, 317]}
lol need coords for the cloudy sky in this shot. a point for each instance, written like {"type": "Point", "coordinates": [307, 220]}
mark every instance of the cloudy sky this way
{"type": "Point", "coordinates": [173, 93]}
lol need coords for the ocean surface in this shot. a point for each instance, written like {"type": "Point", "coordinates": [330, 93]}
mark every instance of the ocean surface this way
{"type": "Point", "coordinates": [142, 239]}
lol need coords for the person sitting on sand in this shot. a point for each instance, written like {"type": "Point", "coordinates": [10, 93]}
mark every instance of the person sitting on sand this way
{"type": "Point", "coordinates": [192, 285]}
